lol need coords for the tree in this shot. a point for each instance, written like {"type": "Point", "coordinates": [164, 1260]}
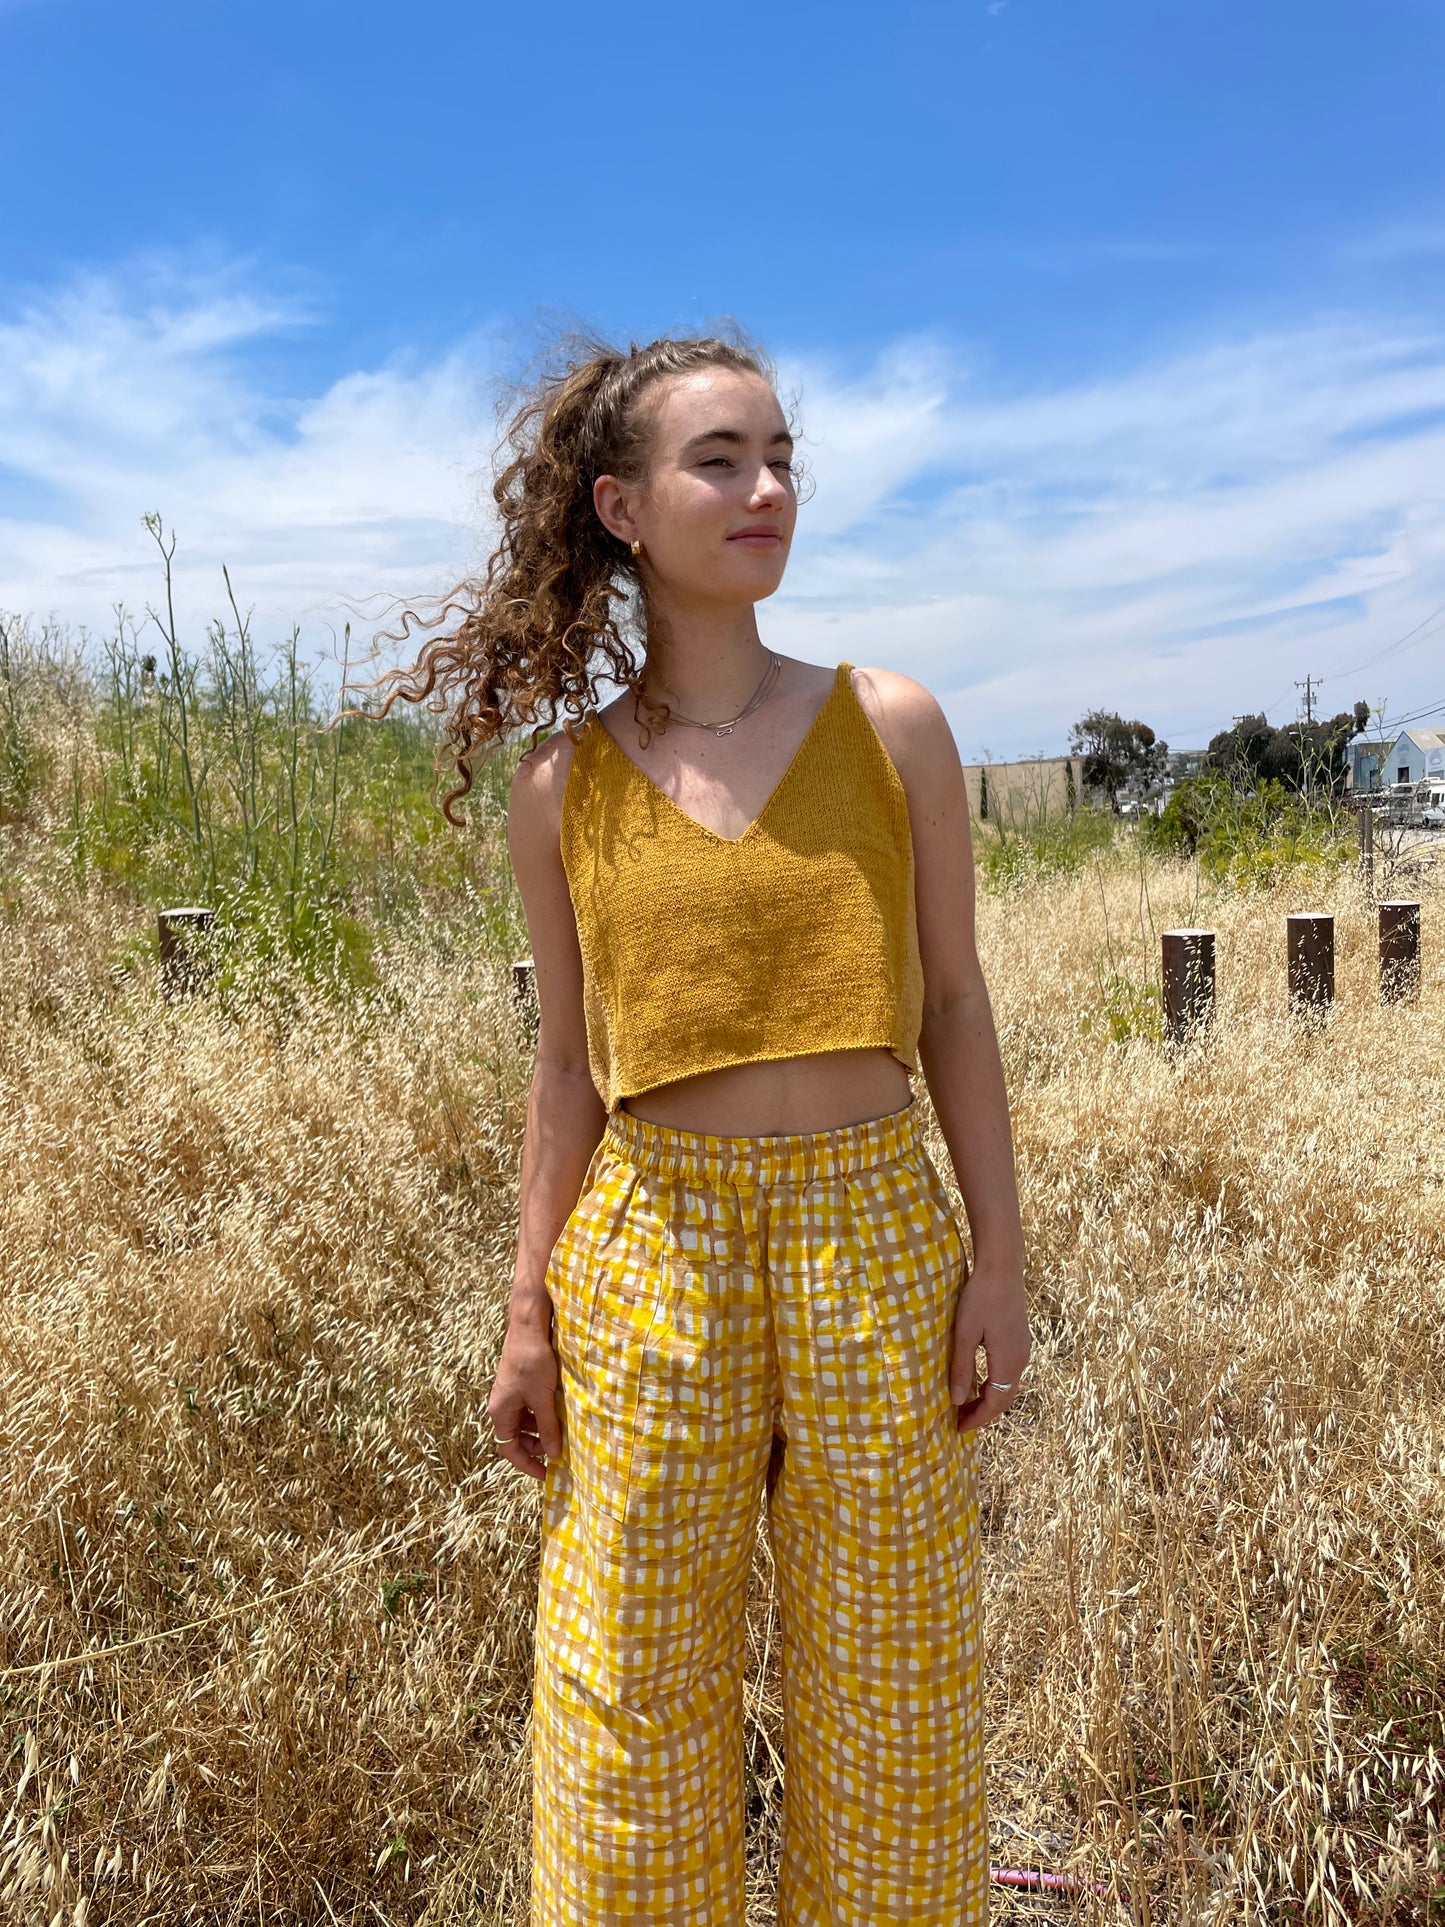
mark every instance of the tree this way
{"type": "Point", "coordinates": [1302, 756]}
{"type": "Point", "coordinates": [1115, 753]}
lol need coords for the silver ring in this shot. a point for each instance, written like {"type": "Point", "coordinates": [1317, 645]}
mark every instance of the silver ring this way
{"type": "Point", "coordinates": [1002, 1384]}
{"type": "Point", "coordinates": [497, 1438]}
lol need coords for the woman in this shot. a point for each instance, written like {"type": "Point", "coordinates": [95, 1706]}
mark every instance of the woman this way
{"type": "Point", "coordinates": [737, 1270]}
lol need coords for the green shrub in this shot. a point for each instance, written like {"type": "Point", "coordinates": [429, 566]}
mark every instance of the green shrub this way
{"type": "Point", "coordinates": [1040, 845]}
{"type": "Point", "coordinates": [1250, 839]}
{"type": "Point", "coordinates": [222, 775]}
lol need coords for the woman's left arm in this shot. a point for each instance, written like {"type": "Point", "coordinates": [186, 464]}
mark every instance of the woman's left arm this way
{"type": "Point", "coordinates": [958, 1046]}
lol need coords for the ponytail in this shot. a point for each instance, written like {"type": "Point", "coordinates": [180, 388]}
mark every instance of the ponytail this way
{"type": "Point", "coordinates": [533, 637]}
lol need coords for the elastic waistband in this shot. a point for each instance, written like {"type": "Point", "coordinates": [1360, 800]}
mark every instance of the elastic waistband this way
{"type": "Point", "coordinates": [796, 1157]}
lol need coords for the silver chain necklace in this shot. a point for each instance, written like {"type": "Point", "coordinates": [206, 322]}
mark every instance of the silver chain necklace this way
{"type": "Point", "coordinates": [760, 694]}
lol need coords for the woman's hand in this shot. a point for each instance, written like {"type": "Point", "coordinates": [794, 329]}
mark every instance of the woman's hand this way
{"type": "Point", "coordinates": [992, 1312]}
{"type": "Point", "coordinates": [522, 1404]}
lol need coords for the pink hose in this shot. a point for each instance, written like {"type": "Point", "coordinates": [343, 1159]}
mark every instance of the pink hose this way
{"type": "Point", "coordinates": [1038, 1881]}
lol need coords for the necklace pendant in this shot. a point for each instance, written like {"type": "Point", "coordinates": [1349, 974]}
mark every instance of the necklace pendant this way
{"type": "Point", "coordinates": [726, 730]}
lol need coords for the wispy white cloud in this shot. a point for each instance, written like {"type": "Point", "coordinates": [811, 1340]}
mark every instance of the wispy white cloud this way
{"type": "Point", "coordinates": [117, 398]}
{"type": "Point", "coordinates": [1179, 540]}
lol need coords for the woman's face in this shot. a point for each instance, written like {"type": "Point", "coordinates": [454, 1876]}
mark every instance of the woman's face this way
{"type": "Point", "coordinates": [715, 514]}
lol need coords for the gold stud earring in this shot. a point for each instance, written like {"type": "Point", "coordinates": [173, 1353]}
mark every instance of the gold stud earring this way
{"type": "Point", "coordinates": [636, 550]}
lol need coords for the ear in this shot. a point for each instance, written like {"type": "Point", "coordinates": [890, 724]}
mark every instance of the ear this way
{"type": "Point", "coordinates": [614, 509]}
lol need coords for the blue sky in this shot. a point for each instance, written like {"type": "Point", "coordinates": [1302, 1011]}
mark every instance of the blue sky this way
{"type": "Point", "coordinates": [1116, 327]}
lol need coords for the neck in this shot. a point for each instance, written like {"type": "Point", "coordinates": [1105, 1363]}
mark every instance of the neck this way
{"type": "Point", "coordinates": [704, 662]}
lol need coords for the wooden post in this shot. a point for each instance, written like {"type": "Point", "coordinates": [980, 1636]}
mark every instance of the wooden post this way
{"type": "Point", "coordinates": [183, 972]}
{"type": "Point", "coordinates": [1188, 983]}
{"type": "Point", "coordinates": [1365, 824]}
{"type": "Point", "coordinates": [524, 994]}
{"type": "Point", "coordinates": [1311, 964]}
{"type": "Point", "coordinates": [1399, 951]}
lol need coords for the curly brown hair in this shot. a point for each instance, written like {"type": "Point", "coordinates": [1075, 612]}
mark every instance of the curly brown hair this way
{"type": "Point", "coordinates": [533, 637]}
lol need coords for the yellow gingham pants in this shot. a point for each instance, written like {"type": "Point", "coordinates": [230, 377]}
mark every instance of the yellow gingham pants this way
{"type": "Point", "coordinates": [709, 1293]}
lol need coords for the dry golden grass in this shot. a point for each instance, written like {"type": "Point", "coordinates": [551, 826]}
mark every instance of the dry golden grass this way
{"type": "Point", "coordinates": [1217, 1520]}
{"type": "Point", "coordinates": [265, 1590]}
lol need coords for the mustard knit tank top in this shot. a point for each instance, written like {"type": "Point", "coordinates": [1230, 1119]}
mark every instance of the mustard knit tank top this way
{"type": "Point", "coordinates": [700, 950]}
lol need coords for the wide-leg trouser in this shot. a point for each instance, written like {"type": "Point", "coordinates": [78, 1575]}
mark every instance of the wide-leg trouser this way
{"type": "Point", "coordinates": [710, 1294]}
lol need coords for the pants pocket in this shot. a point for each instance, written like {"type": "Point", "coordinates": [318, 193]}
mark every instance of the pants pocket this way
{"type": "Point", "coordinates": [651, 1388]}
{"type": "Point", "coordinates": [637, 1463]}
{"type": "Point", "coordinates": [647, 1444]}
{"type": "Point", "coordinates": [576, 1260]}
{"type": "Point", "coordinates": [853, 1420]}
{"type": "Point", "coordinates": [603, 1390]}
{"type": "Point", "coordinates": [919, 1277]}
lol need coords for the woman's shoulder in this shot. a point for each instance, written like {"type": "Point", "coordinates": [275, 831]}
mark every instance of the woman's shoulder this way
{"type": "Point", "coordinates": [908, 718]}
{"type": "Point", "coordinates": [539, 782]}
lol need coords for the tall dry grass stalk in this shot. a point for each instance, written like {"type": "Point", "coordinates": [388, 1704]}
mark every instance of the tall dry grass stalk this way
{"type": "Point", "coordinates": [265, 1591]}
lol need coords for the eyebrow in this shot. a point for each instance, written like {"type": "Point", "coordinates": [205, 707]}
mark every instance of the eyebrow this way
{"type": "Point", "coordinates": [735, 437]}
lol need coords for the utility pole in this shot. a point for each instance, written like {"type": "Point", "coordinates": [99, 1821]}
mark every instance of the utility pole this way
{"type": "Point", "coordinates": [1309, 685]}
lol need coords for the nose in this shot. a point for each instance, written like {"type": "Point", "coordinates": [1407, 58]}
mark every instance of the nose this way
{"type": "Point", "coordinates": [769, 488]}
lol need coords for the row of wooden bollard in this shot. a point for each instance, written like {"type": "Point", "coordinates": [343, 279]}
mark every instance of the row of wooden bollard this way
{"type": "Point", "coordinates": [1188, 966]}
{"type": "Point", "coordinates": [1189, 976]}
{"type": "Point", "coordinates": [1189, 970]}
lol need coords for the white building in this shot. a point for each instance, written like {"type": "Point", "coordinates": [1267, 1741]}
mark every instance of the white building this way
{"type": "Point", "coordinates": [1416, 754]}
{"type": "Point", "coordinates": [1412, 756]}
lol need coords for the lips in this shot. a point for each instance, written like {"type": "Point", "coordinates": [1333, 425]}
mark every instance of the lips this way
{"type": "Point", "coordinates": [758, 538]}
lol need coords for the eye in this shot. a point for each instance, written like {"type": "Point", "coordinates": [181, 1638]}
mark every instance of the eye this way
{"type": "Point", "coordinates": [715, 461]}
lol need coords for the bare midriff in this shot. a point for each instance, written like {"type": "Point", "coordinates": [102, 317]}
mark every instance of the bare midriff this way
{"type": "Point", "coordinates": [820, 1091]}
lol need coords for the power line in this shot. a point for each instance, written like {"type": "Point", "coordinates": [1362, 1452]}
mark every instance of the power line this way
{"type": "Point", "coordinates": [1418, 716]}
{"type": "Point", "coordinates": [1311, 684]}
{"type": "Point", "coordinates": [1411, 635]}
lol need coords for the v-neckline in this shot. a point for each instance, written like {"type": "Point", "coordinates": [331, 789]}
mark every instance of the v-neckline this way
{"type": "Point", "coordinates": [772, 796]}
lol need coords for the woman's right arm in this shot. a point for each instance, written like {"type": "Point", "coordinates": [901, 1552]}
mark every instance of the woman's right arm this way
{"type": "Point", "coordinates": [565, 1115]}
